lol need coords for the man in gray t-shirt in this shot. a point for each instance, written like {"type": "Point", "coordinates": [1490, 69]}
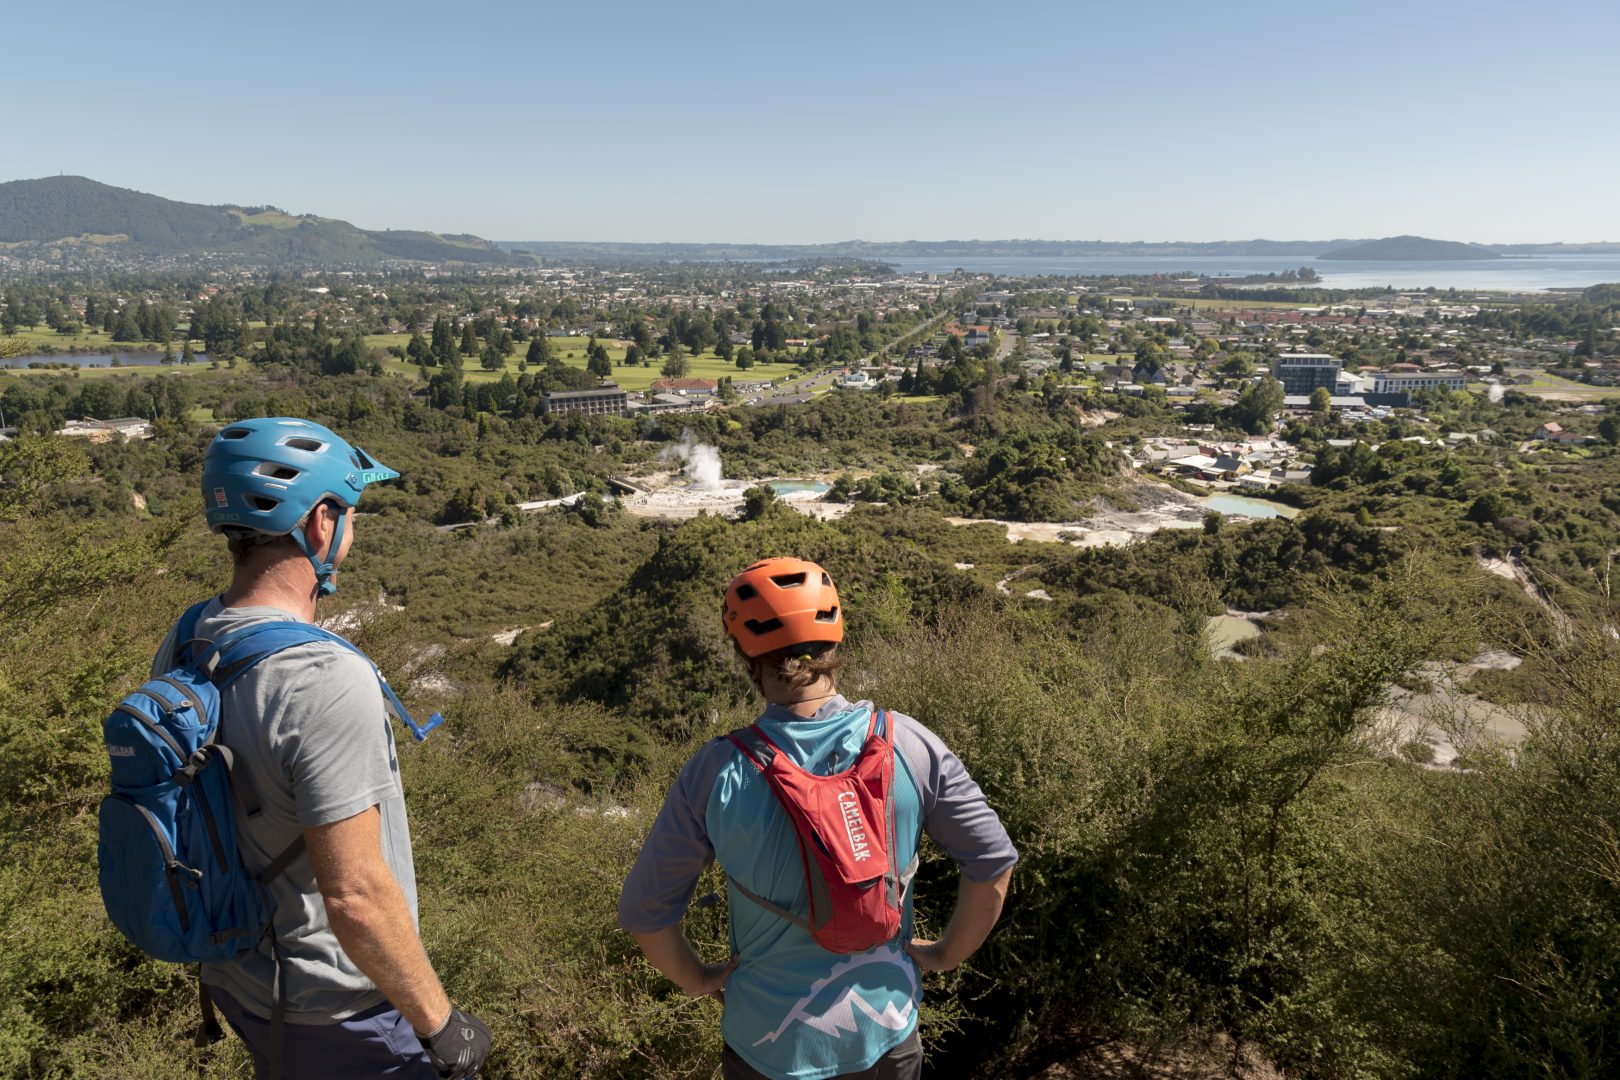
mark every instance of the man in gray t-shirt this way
{"type": "Point", "coordinates": [310, 732]}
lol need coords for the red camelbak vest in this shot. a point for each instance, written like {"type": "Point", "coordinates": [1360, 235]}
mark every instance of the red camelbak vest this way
{"type": "Point", "coordinates": [845, 826]}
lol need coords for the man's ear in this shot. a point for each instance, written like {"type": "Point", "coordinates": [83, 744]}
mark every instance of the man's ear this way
{"type": "Point", "coordinates": [322, 525]}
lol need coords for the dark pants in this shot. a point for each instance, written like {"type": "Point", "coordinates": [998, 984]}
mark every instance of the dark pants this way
{"type": "Point", "coordinates": [377, 1042]}
{"type": "Point", "coordinates": [904, 1062]}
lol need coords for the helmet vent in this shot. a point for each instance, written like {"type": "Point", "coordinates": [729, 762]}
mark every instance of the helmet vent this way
{"type": "Point", "coordinates": [299, 442]}
{"type": "Point", "coordinates": [764, 627]}
{"type": "Point", "coordinates": [277, 472]}
{"type": "Point", "coordinates": [788, 581]}
{"type": "Point", "coordinates": [828, 616]}
{"type": "Point", "coordinates": [261, 503]}
{"type": "Point", "coordinates": [235, 433]}
{"type": "Point", "coordinates": [746, 591]}
{"type": "Point", "coordinates": [826, 582]}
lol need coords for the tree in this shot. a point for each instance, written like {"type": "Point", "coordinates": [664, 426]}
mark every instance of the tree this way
{"type": "Point", "coordinates": [1321, 401]}
{"type": "Point", "coordinates": [757, 501]}
{"type": "Point", "coordinates": [597, 361]}
{"type": "Point", "coordinates": [469, 340]}
{"type": "Point", "coordinates": [1609, 429]}
{"type": "Point", "coordinates": [490, 358]}
{"type": "Point", "coordinates": [675, 364]}
{"type": "Point", "coordinates": [1487, 508]}
{"type": "Point", "coordinates": [539, 353]}
{"type": "Point", "coordinates": [125, 329]}
{"type": "Point", "coordinates": [418, 350]}
{"type": "Point", "coordinates": [1588, 345]}
{"type": "Point", "coordinates": [1257, 406]}
{"type": "Point", "coordinates": [745, 358]}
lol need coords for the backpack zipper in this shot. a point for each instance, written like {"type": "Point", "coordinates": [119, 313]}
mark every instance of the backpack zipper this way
{"type": "Point", "coordinates": [186, 693]}
{"type": "Point", "coordinates": [153, 725]}
{"type": "Point", "coordinates": [172, 867]}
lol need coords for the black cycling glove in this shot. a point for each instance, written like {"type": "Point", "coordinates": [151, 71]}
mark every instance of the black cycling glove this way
{"type": "Point", "coordinates": [459, 1047]}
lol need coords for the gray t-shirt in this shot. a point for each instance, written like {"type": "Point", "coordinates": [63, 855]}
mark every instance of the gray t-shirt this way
{"type": "Point", "coordinates": [309, 727]}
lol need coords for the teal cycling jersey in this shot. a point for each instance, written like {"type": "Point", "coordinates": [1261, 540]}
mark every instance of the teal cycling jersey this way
{"type": "Point", "coordinates": [793, 1010]}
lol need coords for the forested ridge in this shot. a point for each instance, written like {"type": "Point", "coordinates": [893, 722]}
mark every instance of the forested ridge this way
{"type": "Point", "coordinates": [69, 207]}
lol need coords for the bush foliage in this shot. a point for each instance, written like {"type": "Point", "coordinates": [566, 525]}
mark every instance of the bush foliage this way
{"type": "Point", "coordinates": [1208, 846]}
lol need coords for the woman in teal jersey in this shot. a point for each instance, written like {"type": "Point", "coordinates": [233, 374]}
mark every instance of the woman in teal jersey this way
{"type": "Point", "coordinates": [793, 1009]}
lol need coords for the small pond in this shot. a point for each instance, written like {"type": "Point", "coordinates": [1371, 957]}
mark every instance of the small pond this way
{"type": "Point", "coordinates": [1239, 506]}
{"type": "Point", "coordinates": [795, 487]}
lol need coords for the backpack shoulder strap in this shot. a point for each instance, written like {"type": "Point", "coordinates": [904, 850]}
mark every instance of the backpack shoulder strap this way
{"type": "Point", "coordinates": [185, 633]}
{"type": "Point", "coordinates": [236, 655]}
{"type": "Point", "coordinates": [755, 745]}
{"type": "Point", "coordinates": [775, 909]}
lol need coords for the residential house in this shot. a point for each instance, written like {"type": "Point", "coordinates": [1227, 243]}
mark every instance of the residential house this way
{"type": "Point", "coordinates": [100, 431]}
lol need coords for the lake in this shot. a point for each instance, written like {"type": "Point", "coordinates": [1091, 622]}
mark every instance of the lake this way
{"type": "Point", "coordinates": [126, 359]}
{"type": "Point", "coordinates": [1530, 274]}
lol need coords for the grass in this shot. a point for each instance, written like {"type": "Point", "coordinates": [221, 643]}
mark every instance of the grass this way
{"type": "Point", "coordinates": [703, 366]}
{"type": "Point", "coordinates": [41, 337]}
{"type": "Point", "coordinates": [269, 219]}
{"type": "Point", "coordinates": [1545, 385]}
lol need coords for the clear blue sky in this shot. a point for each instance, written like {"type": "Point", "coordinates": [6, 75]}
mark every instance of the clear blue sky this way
{"type": "Point", "coordinates": [809, 122]}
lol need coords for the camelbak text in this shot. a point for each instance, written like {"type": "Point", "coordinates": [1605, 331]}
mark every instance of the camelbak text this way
{"type": "Point", "coordinates": [850, 806]}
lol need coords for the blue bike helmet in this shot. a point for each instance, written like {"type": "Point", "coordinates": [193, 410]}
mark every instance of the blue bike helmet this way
{"type": "Point", "coordinates": [265, 476]}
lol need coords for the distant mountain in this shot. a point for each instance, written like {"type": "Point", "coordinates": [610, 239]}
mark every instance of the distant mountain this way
{"type": "Point", "coordinates": [1408, 248]}
{"type": "Point", "coordinates": [96, 220]}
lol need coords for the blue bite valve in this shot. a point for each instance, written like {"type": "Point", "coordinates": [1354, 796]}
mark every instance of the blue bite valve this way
{"type": "Point", "coordinates": [420, 731]}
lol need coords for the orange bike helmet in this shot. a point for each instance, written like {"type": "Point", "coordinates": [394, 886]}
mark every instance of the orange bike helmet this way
{"type": "Point", "coordinates": [779, 603]}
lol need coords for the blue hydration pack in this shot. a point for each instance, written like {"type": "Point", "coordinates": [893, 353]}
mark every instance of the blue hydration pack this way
{"type": "Point", "coordinates": [171, 876]}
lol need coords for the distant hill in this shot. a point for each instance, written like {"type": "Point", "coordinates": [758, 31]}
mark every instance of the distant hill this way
{"type": "Point", "coordinates": [75, 212]}
{"type": "Point", "coordinates": [1413, 248]}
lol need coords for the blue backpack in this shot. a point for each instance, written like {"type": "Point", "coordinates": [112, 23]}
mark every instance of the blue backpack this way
{"type": "Point", "coordinates": [172, 879]}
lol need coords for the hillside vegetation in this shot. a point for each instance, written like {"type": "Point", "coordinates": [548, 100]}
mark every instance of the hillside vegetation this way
{"type": "Point", "coordinates": [57, 208]}
{"type": "Point", "coordinates": [1243, 849]}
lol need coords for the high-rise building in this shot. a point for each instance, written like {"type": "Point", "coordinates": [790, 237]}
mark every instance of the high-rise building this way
{"type": "Point", "coordinates": [1300, 373]}
{"type": "Point", "coordinates": [608, 399]}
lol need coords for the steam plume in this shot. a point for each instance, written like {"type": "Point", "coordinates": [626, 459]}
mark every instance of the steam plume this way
{"type": "Point", "coordinates": [699, 461]}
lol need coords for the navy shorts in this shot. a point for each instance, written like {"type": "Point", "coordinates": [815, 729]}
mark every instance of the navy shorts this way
{"type": "Point", "coordinates": [377, 1042]}
{"type": "Point", "coordinates": [904, 1062]}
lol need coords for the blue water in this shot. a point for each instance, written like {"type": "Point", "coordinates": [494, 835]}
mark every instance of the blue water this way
{"type": "Point", "coordinates": [1238, 506]}
{"type": "Point", "coordinates": [790, 487]}
{"type": "Point", "coordinates": [1531, 274]}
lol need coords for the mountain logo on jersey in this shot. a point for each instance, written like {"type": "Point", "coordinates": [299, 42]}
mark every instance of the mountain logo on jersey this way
{"type": "Point", "coordinates": [838, 1015]}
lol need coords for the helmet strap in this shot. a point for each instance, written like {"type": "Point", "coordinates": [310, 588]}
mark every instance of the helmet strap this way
{"type": "Point", "coordinates": [325, 570]}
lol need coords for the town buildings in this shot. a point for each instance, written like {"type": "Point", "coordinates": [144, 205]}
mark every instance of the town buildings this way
{"type": "Point", "coordinates": [609, 399]}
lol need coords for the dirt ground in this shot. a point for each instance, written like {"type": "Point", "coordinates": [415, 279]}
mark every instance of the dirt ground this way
{"type": "Point", "coordinates": [1216, 1059]}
